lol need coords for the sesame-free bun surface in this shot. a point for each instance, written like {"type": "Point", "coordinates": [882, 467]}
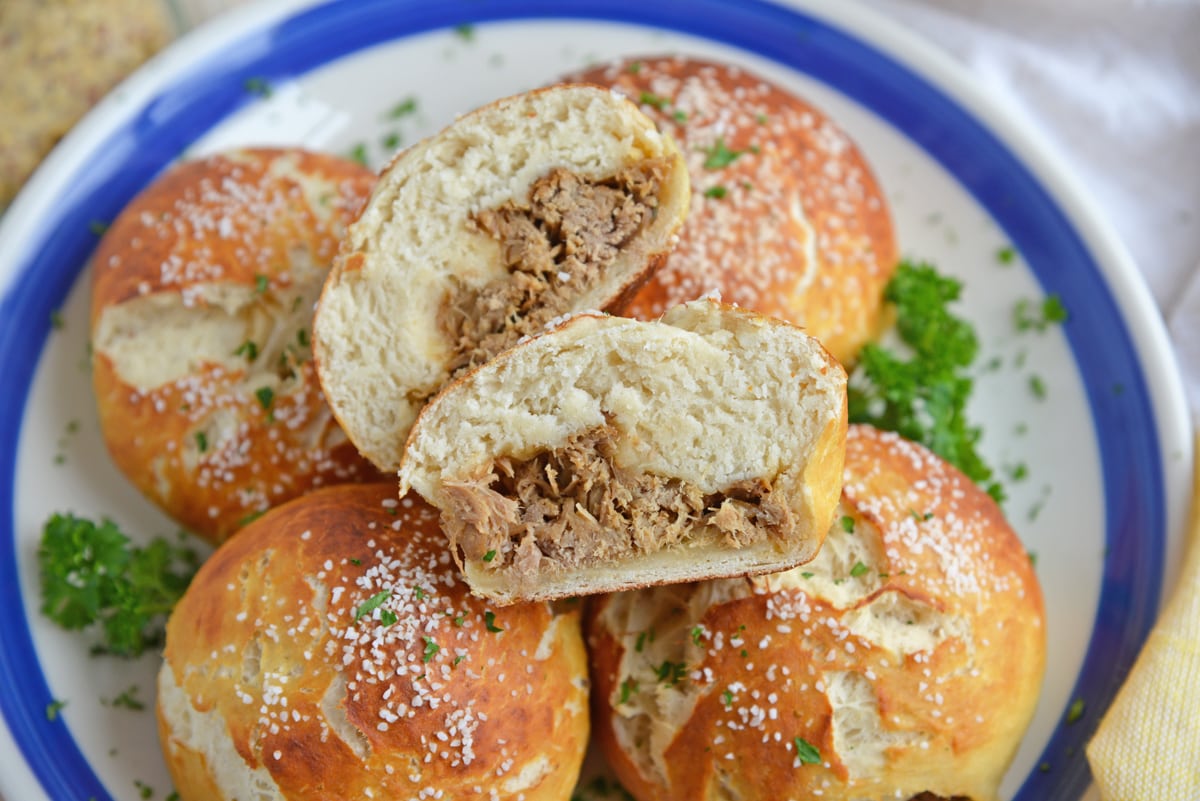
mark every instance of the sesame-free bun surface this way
{"type": "Point", "coordinates": [331, 652]}
{"type": "Point", "coordinates": [786, 216]}
{"type": "Point", "coordinates": [202, 298]}
{"type": "Point", "coordinates": [610, 453]}
{"type": "Point", "coordinates": [545, 203]}
{"type": "Point", "coordinates": [908, 655]}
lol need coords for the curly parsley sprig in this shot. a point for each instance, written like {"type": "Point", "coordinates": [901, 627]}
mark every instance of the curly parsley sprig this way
{"type": "Point", "coordinates": [92, 574]}
{"type": "Point", "coordinates": [922, 394]}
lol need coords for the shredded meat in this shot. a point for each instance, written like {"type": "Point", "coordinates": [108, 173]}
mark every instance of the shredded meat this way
{"type": "Point", "coordinates": [553, 247]}
{"type": "Point", "coordinates": [574, 507]}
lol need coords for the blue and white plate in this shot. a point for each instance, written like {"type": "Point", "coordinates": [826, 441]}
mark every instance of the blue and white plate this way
{"type": "Point", "coordinates": [1106, 450]}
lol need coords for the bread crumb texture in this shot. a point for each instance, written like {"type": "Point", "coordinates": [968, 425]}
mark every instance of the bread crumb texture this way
{"type": "Point", "coordinates": [203, 290]}
{"type": "Point", "coordinates": [331, 651]}
{"type": "Point", "coordinates": [786, 217]}
{"type": "Point", "coordinates": [534, 206]}
{"type": "Point", "coordinates": [906, 658]}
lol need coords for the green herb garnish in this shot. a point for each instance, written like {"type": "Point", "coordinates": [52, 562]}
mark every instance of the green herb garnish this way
{"type": "Point", "coordinates": [247, 349]}
{"type": "Point", "coordinates": [923, 397]}
{"type": "Point", "coordinates": [1006, 254]}
{"type": "Point", "coordinates": [402, 109]}
{"type": "Point", "coordinates": [719, 156]}
{"type": "Point", "coordinates": [716, 192]}
{"type": "Point", "coordinates": [858, 569]}
{"type": "Point", "coordinates": [628, 687]}
{"type": "Point", "coordinates": [671, 672]}
{"type": "Point", "coordinates": [489, 556]}
{"type": "Point", "coordinates": [489, 620]}
{"type": "Point", "coordinates": [651, 99]}
{"type": "Point", "coordinates": [1075, 710]}
{"type": "Point", "coordinates": [387, 617]}
{"type": "Point", "coordinates": [129, 700]}
{"type": "Point", "coordinates": [371, 604]}
{"type": "Point", "coordinates": [258, 86]}
{"type": "Point", "coordinates": [431, 649]}
{"type": "Point", "coordinates": [1027, 316]}
{"type": "Point", "coordinates": [53, 708]}
{"type": "Point", "coordinates": [261, 284]}
{"type": "Point", "coordinates": [359, 153]}
{"type": "Point", "coordinates": [847, 524]}
{"type": "Point", "coordinates": [806, 752]}
{"type": "Point", "coordinates": [265, 396]}
{"type": "Point", "coordinates": [93, 574]}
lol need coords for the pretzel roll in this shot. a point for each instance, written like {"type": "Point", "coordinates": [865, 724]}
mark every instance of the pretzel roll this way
{"type": "Point", "coordinates": [611, 453]}
{"type": "Point", "coordinates": [903, 662]}
{"type": "Point", "coordinates": [786, 216]}
{"type": "Point", "coordinates": [331, 652]}
{"type": "Point", "coordinates": [202, 298]}
{"type": "Point", "coordinates": [534, 206]}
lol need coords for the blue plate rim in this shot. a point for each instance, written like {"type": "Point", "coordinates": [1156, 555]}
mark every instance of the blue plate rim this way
{"type": "Point", "coordinates": [26, 302]}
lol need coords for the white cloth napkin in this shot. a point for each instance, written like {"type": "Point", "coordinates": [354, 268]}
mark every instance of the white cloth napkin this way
{"type": "Point", "coordinates": [1114, 87]}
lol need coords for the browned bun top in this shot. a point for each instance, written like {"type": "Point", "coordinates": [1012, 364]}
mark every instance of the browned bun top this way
{"type": "Point", "coordinates": [786, 217]}
{"type": "Point", "coordinates": [201, 319]}
{"type": "Point", "coordinates": [906, 658]}
{"type": "Point", "coordinates": [331, 651]}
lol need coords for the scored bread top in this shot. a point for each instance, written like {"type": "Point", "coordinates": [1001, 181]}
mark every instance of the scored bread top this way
{"type": "Point", "coordinates": [422, 273]}
{"type": "Point", "coordinates": [786, 216]}
{"type": "Point", "coordinates": [332, 651]}
{"type": "Point", "coordinates": [906, 658]}
{"type": "Point", "coordinates": [202, 296]}
{"type": "Point", "coordinates": [713, 401]}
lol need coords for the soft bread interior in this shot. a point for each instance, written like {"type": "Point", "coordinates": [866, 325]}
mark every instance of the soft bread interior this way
{"type": "Point", "coordinates": [716, 434]}
{"type": "Point", "coordinates": [438, 259]}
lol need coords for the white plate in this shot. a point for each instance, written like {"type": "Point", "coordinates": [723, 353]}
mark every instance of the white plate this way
{"type": "Point", "coordinates": [1108, 449]}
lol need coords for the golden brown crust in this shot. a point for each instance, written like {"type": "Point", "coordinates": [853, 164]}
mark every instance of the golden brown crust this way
{"type": "Point", "coordinates": [277, 643]}
{"type": "Point", "coordinates": [743, 235]}
{"type": "Point", "coordinates": [929, 637]}
{"type": "Point", "coordinates": [205, 445]}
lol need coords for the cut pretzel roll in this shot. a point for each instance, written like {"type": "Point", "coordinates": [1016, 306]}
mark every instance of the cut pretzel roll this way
{"type": "Point", "coordinates": [537, 205]}
{"type": "Point", "coordinates": [610, 453]}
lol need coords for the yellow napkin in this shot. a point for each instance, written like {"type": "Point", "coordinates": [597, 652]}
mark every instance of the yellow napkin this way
{"type": "Point", "coordinates": [1148, 744]}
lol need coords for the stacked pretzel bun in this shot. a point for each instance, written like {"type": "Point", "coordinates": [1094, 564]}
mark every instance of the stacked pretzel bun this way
{"type": "Point", "coordinates": [331, 651]}
{"type": "Point", "coordinates": [538, 205]}
{"type": "Point", "coordinates": [786, 216]}
{"type": "Point", "coordinates": [903, 662]}
{"type": "Point", "coordinates": [202, 297]}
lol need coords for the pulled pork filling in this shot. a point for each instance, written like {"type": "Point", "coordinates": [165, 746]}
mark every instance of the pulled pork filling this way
{"type": "Point", "coordinates": [554, 247]}
{"type": "Point", "coordinates": [573, 507]}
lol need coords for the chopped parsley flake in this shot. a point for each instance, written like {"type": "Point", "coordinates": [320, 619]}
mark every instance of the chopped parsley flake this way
{"type": "Point", "coordinates": [489, 556]}
{"type": "Point", "coordinates": [807, 574]}
{"type": "Point", "coordinates": [53, 708]}
{"type": "Point", "coordinates": [387, 617]}
{"type": "Point", "coordinates": [719, 155]}
{"type": "Point", "coordinates": [419, 593]}
{"type": "Point", "coordinates": [257, 86]}
{"type": "Point", "coordinates": [489, 620]}
{"type": "Point", "coordinates": [391, 141]}
{"type": "Point", "coordinates": [431, 649]}
{"type": "Point", "coordinates": [98, 227]}
{"type": "Point", "coordinates": [679, 115]}
{"type": "Point", "coordinates": [858, 569]}
{"type": "Point", "coordinates": [261, 283]}
{"type": "Point", "coordinates": [371, 604]}
{"type": "Point", "coordinates": [727, 698]}
{"type": "Point", "coordinates": [1006, 254]}
{"type": "Point", "coordinates": [848, 524]}
{"type": "Point", "coordinates": [628, 687]}
{"type": "Point", "coordinates": [671, 672]}
{"type": "Point", "coordinates": [1075, 710]}
{"type": "Point", "coordinates": [404, 108]}
{"type": "Point", "coordinates": [129, 700]}
{"type": "Point", "coordinates": [465, 32]}
{"type": "Point", "coordinates": [634, 68]}
{"type": "Point", "coordinates": [640, 643]}
{"type": "Point", "coordinates": [806, 752]}
{"type": "Point", "coordinates": [302, 337]}
{"type": "Point", "coordinates": [1028, 316]}
{"type": "Point", "coordinates": [651, 99]}
{"type": "Point", "coordinates": [1032, 557]}
{"type": "Point", "coordinates": [248, 349]}
{"type": "Point", "coordinates": [717, 192]}
{"type": "Point", "coordinates": [201, 441]}
{"type": "Point", "coordinates": [56, 320]}
{"type": "Point", "coordinates": [697, 633]}
{"type": "Point", "coordinates": [265, 396]}
{"type": "Point", "coordinates": [144, 790]}
{"type": "Point", "coordinates": [359, 153]}
{"type": "Point", "coordinates": [1037, 386]}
